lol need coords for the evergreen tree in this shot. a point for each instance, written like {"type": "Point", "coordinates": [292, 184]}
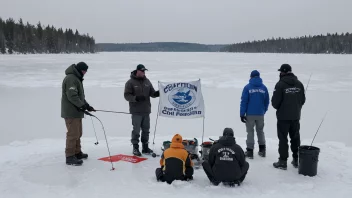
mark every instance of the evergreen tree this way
{"type": "Point", "coordinates": [30, 38]}
{"type": "Point", "coordinates": [39, 37]}
{"type": "Point", "coordinates": [9, 34]}
{"type": "Point", "coordinates": [20, 38]}
{"type": "Point", "coordinates": [49, 39]}
{"type": "Point", "coordinates": [2, 37]}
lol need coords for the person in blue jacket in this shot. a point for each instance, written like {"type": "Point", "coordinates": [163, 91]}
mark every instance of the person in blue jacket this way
{"type": "Point", "coordinates": [254, 105]}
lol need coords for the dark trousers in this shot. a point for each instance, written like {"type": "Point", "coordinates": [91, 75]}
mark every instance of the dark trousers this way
{"type": "Point", "coordinates": [284, 128]}
{"type": "Point", "coordinates": [140, 122]}
{"type": "Point", "coordinates": [209, 172]}
{"type": "Point", "coordinates": [161, 176]}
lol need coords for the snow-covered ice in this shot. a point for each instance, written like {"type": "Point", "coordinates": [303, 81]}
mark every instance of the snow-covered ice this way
{"type": "Point", "coordinates": [32, 134]}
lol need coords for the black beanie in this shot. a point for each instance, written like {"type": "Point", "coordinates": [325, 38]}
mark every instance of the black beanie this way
{"type": "Point", "coordinates": [228, 132]}
{"type": "Point", "coordinates": [82, 66]}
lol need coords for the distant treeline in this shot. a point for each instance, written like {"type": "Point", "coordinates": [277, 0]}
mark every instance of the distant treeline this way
{"type": "Point", "coordinates": [158, 47]}
{"type": "Point", "coordinates": [17, 37]}
{"type": "Point", "coordinates": [319, 44]}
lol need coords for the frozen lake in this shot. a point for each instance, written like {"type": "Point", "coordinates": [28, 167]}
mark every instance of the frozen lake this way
{"type": "Point", "coordinates": [32, 133]}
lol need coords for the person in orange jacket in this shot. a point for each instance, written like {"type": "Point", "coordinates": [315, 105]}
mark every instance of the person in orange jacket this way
{"type": "Point", "coordinates": [175, 162]}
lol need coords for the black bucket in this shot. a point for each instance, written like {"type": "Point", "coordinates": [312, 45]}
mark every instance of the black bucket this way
{"type": "Point", "coordinates": [308, 160]}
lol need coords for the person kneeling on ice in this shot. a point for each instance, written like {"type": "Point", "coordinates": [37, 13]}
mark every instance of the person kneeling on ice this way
{"type": "Point", "coordinates": [227, 162]}
{"type": "Point", "coordinates": [176, 163]}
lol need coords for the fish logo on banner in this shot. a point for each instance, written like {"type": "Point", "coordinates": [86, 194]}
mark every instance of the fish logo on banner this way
{"type": "Point", "coordinates": [181, 100]}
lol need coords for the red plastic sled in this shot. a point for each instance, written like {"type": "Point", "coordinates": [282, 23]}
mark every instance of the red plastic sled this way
{"type": "Point", "coordinates": [126, 158]}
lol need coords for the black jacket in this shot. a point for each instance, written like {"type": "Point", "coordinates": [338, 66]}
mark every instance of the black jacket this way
{"type": "Point", "coordinates": [139, 87]}
{"type": "Point", "coordinates": [227, 160]}
{"type": "Point", "coordinates": [288, 98]}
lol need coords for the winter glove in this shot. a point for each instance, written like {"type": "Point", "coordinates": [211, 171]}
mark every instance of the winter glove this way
{"type": "Point", "coordinates": [243, 119]}
{"type": "Point", "coordinates": [90, 108]}
{"type": "Point", "coordinates": [156, 94]}
{"type": "Point", "coordinates": [87, 113]}
{"type": "Point", "coordinates": [84, 107]}
{"type": "Point", "coordinates": [140, 98]}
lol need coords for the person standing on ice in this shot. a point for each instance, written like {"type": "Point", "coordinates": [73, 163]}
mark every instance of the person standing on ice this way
{"type": "Point", "coordinates": [73, 105]}
{"type": "Point", "coordinates": [227, 162]}
{"type": "Point", "coordinates": [288, 99]}
{"type": "Point", "coordinates": [175, 162]}
{"type": "Point", "coordinates": [254, 105]}
{"type": "Point", "coordinates": [138, 90]}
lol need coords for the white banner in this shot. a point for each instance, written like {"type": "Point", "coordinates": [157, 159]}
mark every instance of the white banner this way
{"type": "Point", "coordinates": [181, 99]}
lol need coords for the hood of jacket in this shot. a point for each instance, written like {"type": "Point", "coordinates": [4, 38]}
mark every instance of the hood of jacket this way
{"type": "Point", "coordinates": [176, 142]}
{"type": "Point", "coordinates": [227, 140]}
{"type": "Point", "coordinates": [72, 70]}
{"type": "Point", "coordinates": [256, 81]}
{"type": "Point", "coordinates": [289, 79]}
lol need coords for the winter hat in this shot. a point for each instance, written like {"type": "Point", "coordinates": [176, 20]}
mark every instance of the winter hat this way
{"type": "Point", "coordinates": [255, 73]}
{"type": "Point", "coordinates": [82, 66]}
{"type": "Point", "coordinates": [177, 139]}
{"type": "Point", "coordinates": [285, 68]}
{"type": "Point", "coordinates": [228, 132]}
{"type": "Point", "coordinates": [141, 67]}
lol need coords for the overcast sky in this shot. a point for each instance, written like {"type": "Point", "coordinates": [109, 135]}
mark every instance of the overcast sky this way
{"type": "Point", "coordinates": [200, 21]}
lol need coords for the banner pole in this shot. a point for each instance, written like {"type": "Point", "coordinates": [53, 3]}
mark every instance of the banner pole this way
{"type": "Point", "coordinates": [203, 115]}
{"type": "Point", "coordinates": [203, 128]}
{"type": "Point", "coordinates": [157, 117]}
{"type": "Point", "coordinates": [156, 123]}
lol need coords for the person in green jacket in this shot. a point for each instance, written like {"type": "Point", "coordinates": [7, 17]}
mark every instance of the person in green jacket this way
{"type": "Point", "coordinates": [138, 90]}
{"type": "Point", "coordinates": [73, 105]}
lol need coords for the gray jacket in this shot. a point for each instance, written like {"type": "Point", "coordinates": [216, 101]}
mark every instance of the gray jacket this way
{"type": "Point", "coordinates": [139, 87]}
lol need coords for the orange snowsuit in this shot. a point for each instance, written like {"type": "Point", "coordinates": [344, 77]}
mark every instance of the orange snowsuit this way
{"type": "Point", "coordinates": [176, 162]}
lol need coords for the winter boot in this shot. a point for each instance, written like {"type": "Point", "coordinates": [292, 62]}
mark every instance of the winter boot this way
{"type": "Point", "coordinates": [188, 178]}
{"type": "Point", "coordinates": [214, 182]}
{"type": "Point", "coordinates": [136, 151]}
{"type": "Point", "coordinates": [146, 149]}
{"type": "Point", "coordinates": [262, 151]}
{"type": "Point", "coordinates": [295, 162]}
{"type": "Point", "coordinates": [281, 164]}
{"type": "Point", "coordinates": [249, 153]}
{"type": "Point", "coordinates": [81, 155]}
{"type": "Point", "coordinates": [72, 160]}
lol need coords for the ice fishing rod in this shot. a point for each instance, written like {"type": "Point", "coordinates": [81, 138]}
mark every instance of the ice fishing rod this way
{"type": "Point", "coordinates": [309, 81]}
{"type": "Point", "coordinates": [318, 128]}
{"type": "Point", "coordinates": [87, 113]}
{"type": "Point", "coordinates": [156, 124]}
{"type": "Point", "coordinates": [120, 112]}
{"type": "Point", "coordinates": [97, 142]}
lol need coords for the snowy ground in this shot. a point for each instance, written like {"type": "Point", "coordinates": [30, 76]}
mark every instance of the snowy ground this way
{"type": "Point", "coordinates": [32, 132]}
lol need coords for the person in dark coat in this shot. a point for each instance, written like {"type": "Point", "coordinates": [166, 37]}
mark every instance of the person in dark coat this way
{"type": "Point", "coordinates": [288, 100]}
{"type": "Point", "coordinates": [138, 90]}
{"type": "Point", "coordinates": [227, 162]}
{"type": "Point", "coordinates": [73, 105]}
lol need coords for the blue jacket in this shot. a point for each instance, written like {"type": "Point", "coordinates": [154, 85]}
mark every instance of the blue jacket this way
{"type": "Point", "coordinates": [255, 98]}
